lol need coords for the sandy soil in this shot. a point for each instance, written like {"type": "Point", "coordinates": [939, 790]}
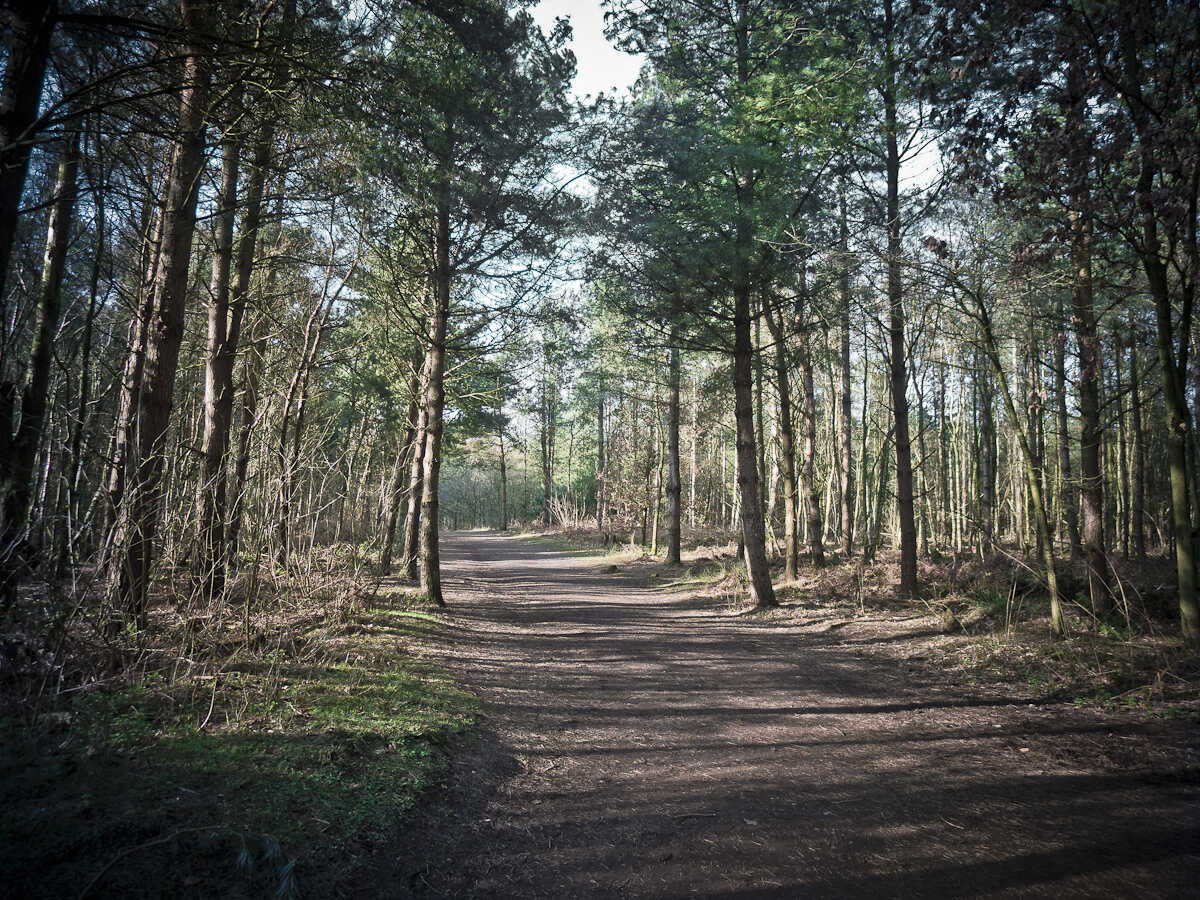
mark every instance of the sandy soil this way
{"type": "Point", "coordinates": [637, 744]}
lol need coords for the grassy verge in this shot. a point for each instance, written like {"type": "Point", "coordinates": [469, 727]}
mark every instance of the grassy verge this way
{"type": "Point", "coordinates": [280, 774]}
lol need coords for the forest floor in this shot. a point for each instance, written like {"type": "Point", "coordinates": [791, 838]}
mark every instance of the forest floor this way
{"type": "Point", "coordinates": [273, 767]}
{"type": "Point", "coordinates": [643, 736]}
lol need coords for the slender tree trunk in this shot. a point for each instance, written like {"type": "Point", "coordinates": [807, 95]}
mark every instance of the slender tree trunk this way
{"type": "Point", "coordinates": [396, 489]}
{"type": "Point", "coordinates": [292, 421]}
{"type": "Point", "coordinates": [503, 464]}
{"type": "Point", "coordinates": [1088, 340]}
{"type": "Point", "coordinates": [1178, 425]}
{"type": "Point", "coordinates": [876, 514]}
{"type": "Point", "coordinates": [1137, 523]}
{"type": "Point", "coordinates": [253, 368]}
{"type": "Point", "coordinates": [787, 450]}
{"type": "Point", "coordinates": [847, 420]}
{"type": "Point", "coordinates": [601, 473]}
{"type": "Point", "coordinates": [549, 412]}
{"type": "Point", "coordinates": [435, 398]}
{"type": "Point", "coordinates": [130, 563]}
{"type": "Point", "coordinates": [808, 473]}
{"type": "Point", "coordinates": [416, 481]}
{"type": "Point", "coordinates": [124, 433]}
{"type": "Point", "coordinates": [944, 462]}
{"type": "Point", "coordinates": [218, 386]}
{"type": "Point", "coordinates": [760, 430]}
{"type": "Point", "coordinates": [987, 463]}
{"type": "Point", "coordinates": [695, 460]}
{"type": "Point", "coordinates": [1033, 476]}
{"type": "Point", "coordinates": [762, 593]}
{"type": "Point", "coordinates": [83, 412]}
{"type": "Point", "coordinates": [1122, 449]}
{"type": "Point", "coordinates": [1172, 363]}
{"type": "Point", "coordinates": [896, 323]}
{"type": "Point", "coordinates": [30, 26]}
{"type": "Point", "coordinates": [18, 462]}
{"type": "Point", "coordinates": [1066, 484]}
{"type": "Point", "coordinates": [674, 486]}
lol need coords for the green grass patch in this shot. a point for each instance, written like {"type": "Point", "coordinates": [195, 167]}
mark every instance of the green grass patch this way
{"type": "Point", "coordinates": [278, 776]}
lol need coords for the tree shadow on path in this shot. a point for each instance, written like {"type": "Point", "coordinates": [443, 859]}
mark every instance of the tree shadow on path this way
{"type": "Point", "coordinates": [635, 746]}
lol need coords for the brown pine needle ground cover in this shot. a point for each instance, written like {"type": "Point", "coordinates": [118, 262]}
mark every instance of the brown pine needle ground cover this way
{"type": "Point", "coordinates": [261, 762]}
{"type": "Point", "coordinates": [986, 621]}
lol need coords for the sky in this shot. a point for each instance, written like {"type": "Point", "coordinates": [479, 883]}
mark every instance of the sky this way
{"type": "Point", "coordinates": [601, 67]}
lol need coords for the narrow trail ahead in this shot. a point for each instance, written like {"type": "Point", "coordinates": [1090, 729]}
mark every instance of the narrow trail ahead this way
{"type": "Point", "coordinates": [634, 744]}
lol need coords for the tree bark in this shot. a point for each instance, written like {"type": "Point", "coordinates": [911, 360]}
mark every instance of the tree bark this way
{"type": "Point", "coordinates": [847, 422]}
{"type": "Point", "coordinates": [435, 398]}
{"type": "Point", "coordinates": [1122, 449]}
{"type": "Point", "coordinates": [897, 324]}
{"type": "Point", "coordinates": [1032, 473]}
{"type": "Point", "coordinates": [674, 483]}
{"type": "Point", "coordinates": [762, 593]}
{"type": "Point", "coordinates": [1137, 524]}
{"type": "Point", "coordinates": [31, 24]}
{"type": "Point", "coordinates": [787, 450]}
{"type": "Point", "coordinates": [503, 464]}
{"type": "Point", "coordinates": [396, 489]}
{"type": "Point", "coordinates": [416, 481]}
{"type": "Point", "coordinates": [987, 464]}
{"type": "Point", "coordinates": [808, 472]}
{"type": "Point", "coordinates": [17, 465]}
{"type": "Point", "coordinates": [1091, 489]}
{"type": "Point", "coordinates": [135, 361]}
{"type": "Point", "coordinates": [1066, 484]}
{"type": "Point", "coordinates": [129, 566]}
{"type": "Point", "coordinates": [601, 474]}
{"type": "Point", "coordinates": [218, 386]}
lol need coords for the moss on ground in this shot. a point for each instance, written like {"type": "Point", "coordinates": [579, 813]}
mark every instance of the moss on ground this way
{"type": "Point", "coordinates": [280, 775]}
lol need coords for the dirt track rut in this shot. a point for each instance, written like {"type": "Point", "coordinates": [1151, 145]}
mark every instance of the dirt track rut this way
{"type": "Point", "coordinates": [634, 744]}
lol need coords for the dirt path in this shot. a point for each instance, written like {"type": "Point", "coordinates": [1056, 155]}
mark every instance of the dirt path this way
{"type": "Point", "coordinates": [635, 745]}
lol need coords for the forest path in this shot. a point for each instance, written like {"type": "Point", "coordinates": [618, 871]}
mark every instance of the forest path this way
{"type": "Point", "coordinates": [634, 744]}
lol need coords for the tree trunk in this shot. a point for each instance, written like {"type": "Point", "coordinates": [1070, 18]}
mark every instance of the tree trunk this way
{"type": "Point", "coordinates": [601, 474]}
{"type": "Point", "coordinates": [503, 465]}
{"type": "Point", "coordinates": [218, 387]}
{"type": "Point", "coordinates": [1091, 488]}
{"type": "Point", "coordinates": [396, 489]}
{"type": "Point", "coordinates": [129, 566]}
{"type": "Point", "coordinates": [762, 593]}
{"type": "Point", "coordinates": [674, 484]}
{"type": "Point", "coordinates": [435, 398]}
{"type": "Point", "coordinates": [124, 433]}
{"type": "Point", "coordinates": [1137, 524]}
{"type": "Point", "coordinates": [808, 472]}
{"type": "Point", "coordinates": [787, 450]}
{"type": "Point", "coordinates": [897, 325]}
{"type": "Point", "coordinates": [253, 368]}
{"type": "Point", "coordinates": [416, 481]}
{"type": "Point", "coordinates": [1122, 448]}
{"type": "Point", "coordinates": [695, 445]}
{"type": "Point", "coordinates": [17, 464]}
{"type": "Point", "coordinates": [1032, 473]}
{"type": "Point", "coordinates": [30, 26]}
{"type": "Point", "coordinates": [844, 399]}
{"type": "Point", "coordinates": [1178, 424]}
{"type": "Point", "coordinates": [73, 520]}
{"type": "Point", "coordinates": [549, 413]}
{"type": "Point", "coordinates": [987, 464]}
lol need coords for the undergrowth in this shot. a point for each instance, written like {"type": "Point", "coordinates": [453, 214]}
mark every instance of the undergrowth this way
{"type": "Point", "coordinates": [275, 758]}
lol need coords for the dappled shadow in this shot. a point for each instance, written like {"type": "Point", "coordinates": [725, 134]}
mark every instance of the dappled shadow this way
{"type": "Point", "coordinates": [668, 751]}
